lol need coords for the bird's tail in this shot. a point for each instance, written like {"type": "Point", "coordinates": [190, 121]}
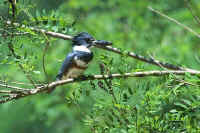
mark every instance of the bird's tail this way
{"type": "Point", "coordinates": [50, 90]}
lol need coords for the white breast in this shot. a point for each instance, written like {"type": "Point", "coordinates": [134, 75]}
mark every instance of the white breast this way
{"type": "Point", "coordinates": [80, 63]}
{"type": "Point", "coordinates": [73, 73]}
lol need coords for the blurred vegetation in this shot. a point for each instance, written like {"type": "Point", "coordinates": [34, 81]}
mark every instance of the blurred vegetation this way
{"type": "Point", "coordinates": [142, 105]}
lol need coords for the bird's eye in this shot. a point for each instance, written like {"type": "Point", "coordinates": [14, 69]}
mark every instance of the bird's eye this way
{"type": "Point", "coordinates": [89, 40]}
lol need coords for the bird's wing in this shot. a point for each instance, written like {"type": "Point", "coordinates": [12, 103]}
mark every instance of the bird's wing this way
{"type": "Point", "coordinates": [66, 65]}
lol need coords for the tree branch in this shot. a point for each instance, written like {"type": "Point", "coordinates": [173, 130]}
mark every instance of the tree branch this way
{"type": "Point", "coordinates": [175, 21]}
{"type": "Point", "coordinates": [109, 48]}
{"type": "Point", "coordinates": [45, 87]}
{"type": "Point", "coordinates": [49, 33]}
{"type": "Point", "coordinates": [12, 87]}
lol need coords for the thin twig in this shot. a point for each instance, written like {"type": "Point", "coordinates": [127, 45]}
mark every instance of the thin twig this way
{"type": "Point", "coordinates": [187, 83]}
{"type": "Point", "coordinates": [14, 9]}
{"type": "Point", "coordinates": [108, 83]}
{"type": "Point", "coordinates": [189, 6]}
{"type": "Point", "coordinates": [43, 58]}
{"type": "Point", "coordinates": [175, 21]}
{"type": "Point", "coordinates": [10, 46]}
{"type": "Point", "coordinates": [49, 33]}
{"type": "Point", "coordinates": [17, 83]}
{"type": "Point", "coordinates": [46, 87]}
{"type": "Point", "coordinates": [158, 62]}
{"type": "Point", "coordinates": [12, 87]}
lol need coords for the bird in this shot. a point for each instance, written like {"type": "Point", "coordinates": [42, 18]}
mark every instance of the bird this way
{"type": "Point", "coordinates": [77, 61]}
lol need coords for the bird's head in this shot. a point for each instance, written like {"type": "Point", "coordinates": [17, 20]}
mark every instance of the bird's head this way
{"type": "Point", "coordinates": [83, 39]}
{"type": "Point", "coordinates": [86, 40]}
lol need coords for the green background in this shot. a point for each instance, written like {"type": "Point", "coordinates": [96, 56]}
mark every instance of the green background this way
{"type": "Point", "coordinates": [153, 104]}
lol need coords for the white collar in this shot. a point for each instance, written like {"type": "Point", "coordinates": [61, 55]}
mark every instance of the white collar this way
{"type": "Point", "coordinates": [81, 48]}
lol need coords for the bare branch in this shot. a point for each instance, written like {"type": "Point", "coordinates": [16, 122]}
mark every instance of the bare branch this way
{"type": "Point", "coordinates": [187, 83]}
{"type": "Point", "coordinates": [175, 21]}
{"type": "Point", "coordinates": [43, 58]}
{"type": "Point", "coordinates": [109, 48]}
{"type": "Point", "coordinates": [46, 87]}
{"type": "Point", "coordinates": [145, 59]}
{"type": "Point", "coordinates": [12, 87]}
{"type": "Point", "coordinates": [17, 83]}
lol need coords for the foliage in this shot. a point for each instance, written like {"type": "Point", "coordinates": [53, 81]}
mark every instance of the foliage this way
{"type": "Point", "coordinates": [155, 105]}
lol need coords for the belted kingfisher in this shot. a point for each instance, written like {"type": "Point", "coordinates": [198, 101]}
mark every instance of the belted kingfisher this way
{"type": "Point", "coordinates": [77, 61]}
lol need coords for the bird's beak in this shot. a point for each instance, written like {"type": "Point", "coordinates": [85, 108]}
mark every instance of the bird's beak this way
{"type": "Point", "coordinates": [102, 43]}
